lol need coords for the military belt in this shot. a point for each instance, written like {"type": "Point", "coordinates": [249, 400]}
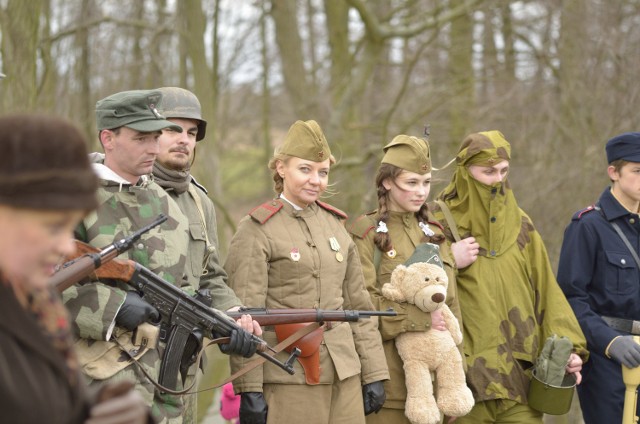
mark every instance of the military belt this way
{"type": "Point", "coordinates": [627, 325]}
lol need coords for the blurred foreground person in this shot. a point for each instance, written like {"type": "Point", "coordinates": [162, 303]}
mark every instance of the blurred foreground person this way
{"type": "Point", "coordinates": [46, 187]}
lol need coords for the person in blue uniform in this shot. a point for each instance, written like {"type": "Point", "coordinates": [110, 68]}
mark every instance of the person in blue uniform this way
{"type": "Point", "coordinates": [601, 279]}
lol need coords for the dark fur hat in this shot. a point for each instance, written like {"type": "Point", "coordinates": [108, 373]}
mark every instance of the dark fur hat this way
{"type": "Point", "coordinates": [44, 164]}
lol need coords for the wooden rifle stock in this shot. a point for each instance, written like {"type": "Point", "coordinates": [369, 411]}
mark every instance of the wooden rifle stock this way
{"type": "Point", "coordinates": [88, 258]}
{"type": "Point", "coordinates": [110, 268]}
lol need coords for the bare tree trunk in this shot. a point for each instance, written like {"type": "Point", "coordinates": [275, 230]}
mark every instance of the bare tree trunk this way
{"type": "Point", "coordinates": [301, 92]}
{"type": "Point", "coordinates": [20, 23]}
{"type": "Point", "coordinates": [461, 80]}
{"type": "Point", "coordinates": [266, 97]}
{"type": "Point", "coordinates": [86, 104]}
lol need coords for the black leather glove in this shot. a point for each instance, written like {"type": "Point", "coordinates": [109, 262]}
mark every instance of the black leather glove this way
{"type": "Point", "coordinates": [253, 408]}
{"type": "Point", "coordinates": [626, 351]}
{"type": "Point", "coordinates": [239, 343]}
{"type": "Point", "coordinates": [134, 311]}
{"type": "Point", "coordinates": [373, 396]}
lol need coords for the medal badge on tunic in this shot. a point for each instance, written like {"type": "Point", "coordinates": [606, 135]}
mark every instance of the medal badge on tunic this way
{"type": "Point", "coordinates": [335, 246]}
{"type": "Point", "coordinates": [391, 253]}
{"type": "Point", "coordinates": [295, 254]}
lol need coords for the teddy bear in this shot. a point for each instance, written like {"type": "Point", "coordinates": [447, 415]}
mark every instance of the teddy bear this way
{"type": "Point", "coordinates": [424, 284]}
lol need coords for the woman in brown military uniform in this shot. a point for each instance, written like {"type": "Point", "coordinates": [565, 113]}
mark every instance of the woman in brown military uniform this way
{"type": "Point", "coordinates": [293, 252]}
{"type": "Point", "coordinates": [387, 237]}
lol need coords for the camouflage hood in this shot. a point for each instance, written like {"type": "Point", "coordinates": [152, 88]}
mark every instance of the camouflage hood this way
{"type": "Point", "coordinates": [488, 213]}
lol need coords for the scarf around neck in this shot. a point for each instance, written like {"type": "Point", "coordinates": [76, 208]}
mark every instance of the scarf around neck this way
{"type": "Point", "coordinates": [169, 178]}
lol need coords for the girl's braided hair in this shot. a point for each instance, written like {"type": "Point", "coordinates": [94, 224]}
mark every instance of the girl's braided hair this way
{"type": "Point", "coordinates": [383, 240]}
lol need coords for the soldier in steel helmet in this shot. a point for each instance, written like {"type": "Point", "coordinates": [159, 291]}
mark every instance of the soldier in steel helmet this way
{"type": "Point", "coordinates": [294, 252]}
{"type": "Point", "coordinates": [107, 313]}
{"type": "Point", "coordinates": [172, 171]}
{"type": "Point", "coordinates": [46, 187]}
{"type": "Point", "coordinates": [389, 236]}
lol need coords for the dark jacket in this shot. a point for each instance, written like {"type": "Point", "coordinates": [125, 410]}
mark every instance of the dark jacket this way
{"type": "Point", "coordinates": [34, 387]}
{"type": "Point", "coordinates": [600, 277]}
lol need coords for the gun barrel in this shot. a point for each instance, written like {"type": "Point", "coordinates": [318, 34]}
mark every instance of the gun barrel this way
{"type": "Point", "coordinates": [390, 313]}
{"type": "Point", "coordinates": [291, 316]}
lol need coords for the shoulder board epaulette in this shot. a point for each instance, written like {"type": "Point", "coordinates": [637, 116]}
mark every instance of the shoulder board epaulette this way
{"type": "Point", "coordinates": [265, 211]}
{"type": "Point", "coordinates": [197, 184]}
{"type": "Point", "coordinates": [588, 209]}
{"type": "Point", "coordinates": [332, 209]}
{"type": "Point", "coordinates": [437, 224]}
{"type": "Point", "coordinates": [362, 225]}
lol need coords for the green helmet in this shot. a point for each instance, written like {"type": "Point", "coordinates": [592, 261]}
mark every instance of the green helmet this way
{"type": "Point", "coordinates": [180, 103]}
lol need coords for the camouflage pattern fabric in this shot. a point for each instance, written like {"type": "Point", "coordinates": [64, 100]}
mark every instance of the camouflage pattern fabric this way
{"type": "Point", "coordinates": [509, 297]}
{"type": "Point", "coordinates": [123, 209]}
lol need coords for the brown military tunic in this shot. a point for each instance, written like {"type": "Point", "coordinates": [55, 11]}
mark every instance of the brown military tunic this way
{"type": "Point", "coordinates": [286, 258]}
{"type": "Point", "coordinates": [377, 268]}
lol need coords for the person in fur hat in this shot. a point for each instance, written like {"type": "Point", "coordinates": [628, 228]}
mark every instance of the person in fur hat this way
{"type": "Point", "coordinates": [46, 187]}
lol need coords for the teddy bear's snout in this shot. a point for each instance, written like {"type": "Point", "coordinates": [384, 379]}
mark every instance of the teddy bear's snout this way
{"type": "Point", "coordinates": [437, 297]}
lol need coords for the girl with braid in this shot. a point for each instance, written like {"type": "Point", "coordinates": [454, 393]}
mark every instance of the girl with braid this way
{"type": "Point", "coordinates": [387, 237]}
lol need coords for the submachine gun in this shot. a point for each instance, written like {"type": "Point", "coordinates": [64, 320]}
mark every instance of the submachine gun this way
{"type": "Point", "coordinates": [182, 314]}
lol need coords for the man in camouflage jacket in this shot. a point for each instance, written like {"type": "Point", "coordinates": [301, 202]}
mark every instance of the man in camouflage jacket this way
{"type": "Point", "coordinates": [106, 313]}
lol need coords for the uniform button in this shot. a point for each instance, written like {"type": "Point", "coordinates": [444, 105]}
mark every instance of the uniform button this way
{"type": "Point", "coordinates": [315, 274]}
{"type": "Point", "coordinates": [413, 325]}
{"type": "Point", "coordinates": [493, 219]}
{"type": "Point", "coordinates": [632, 221]}
{"type": "Point", "coordinates": [140, 246]}
{"type": "Point", "coordinates": [316, 305]}
{"type": "Point", "coordinates": [623, 262]}
{"type": "Point", "coordinates": [203, 234]}
{"type": "Point", "coordinates": [494, 190]}
{"type": "Point", "coordinates": [493, 253]}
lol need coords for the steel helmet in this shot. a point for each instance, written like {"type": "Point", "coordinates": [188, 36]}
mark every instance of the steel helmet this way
{"type": "Point", "coordinates": [180, 103]}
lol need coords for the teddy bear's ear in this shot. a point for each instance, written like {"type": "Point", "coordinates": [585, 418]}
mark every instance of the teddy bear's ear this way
{"type": "Point", "coordinates": [391, 289]}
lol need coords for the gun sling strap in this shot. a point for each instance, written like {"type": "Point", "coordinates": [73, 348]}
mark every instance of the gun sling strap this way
{"type": "Point", "coordinates": [251, 365]}
{"type": "Point", "coordinates": [627, 325]}
{"type": "Point", "coordinates": [449, 218]}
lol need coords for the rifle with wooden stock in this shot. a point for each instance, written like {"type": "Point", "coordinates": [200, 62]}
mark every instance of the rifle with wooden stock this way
{"type": "Point", "coordinates": [73, 271]}
{"type": "Point", "coordinates": [182, 315]}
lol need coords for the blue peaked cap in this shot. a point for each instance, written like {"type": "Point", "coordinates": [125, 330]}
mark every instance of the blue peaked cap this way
{"type": "Point", "coordinates": [624, 146]}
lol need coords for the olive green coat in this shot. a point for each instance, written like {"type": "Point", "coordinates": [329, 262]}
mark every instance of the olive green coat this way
{"type": "Point", "coordinates": [204, 270]}
{"type": "Point", "coordinates": [510, 305]}
{"type": "Point", "coordinates": [282, 258]}
{"type": "Point", "coordinates": [406, 235]}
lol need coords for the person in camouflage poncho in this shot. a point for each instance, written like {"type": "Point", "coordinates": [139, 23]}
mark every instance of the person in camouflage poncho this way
{"type": "Point", "coordinates": [509, 297]}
